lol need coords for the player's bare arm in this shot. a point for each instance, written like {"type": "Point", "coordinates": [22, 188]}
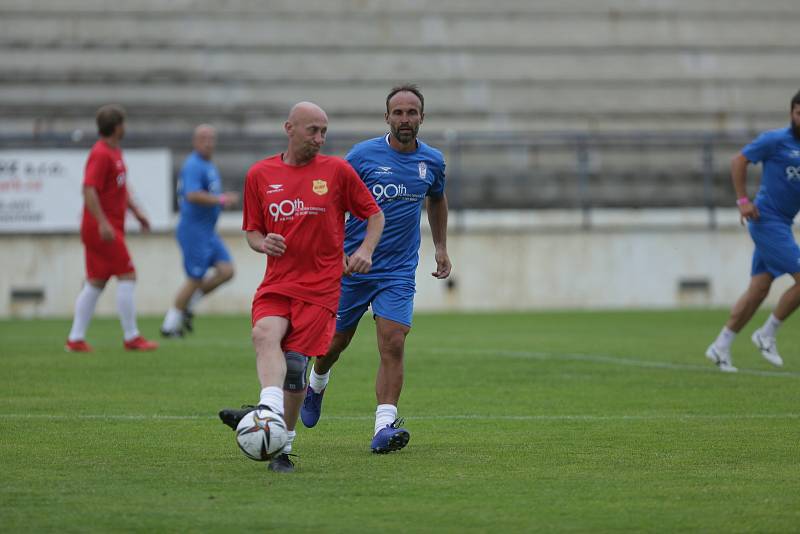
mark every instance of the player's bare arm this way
{"type": "Point", "coordinates": [747, 210]}
{"type": "Point", "coordinates": [361, 260]}
{"type": "Point", "coordinates": [255, 240]}
{"type": "Point", "coordinates": [139, 214]}
{"type": "Point", "coordinates": [204, 198]}
{"type": "Point", "coordinates": [270, 244]}
{"type": "Point", "coordinates": [437, 218]}
{"type": "Point", "coordinates": [92, 202]}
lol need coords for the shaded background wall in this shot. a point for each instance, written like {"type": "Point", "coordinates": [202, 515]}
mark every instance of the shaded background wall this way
{"type": "Point", "coordinates": [547, 111]}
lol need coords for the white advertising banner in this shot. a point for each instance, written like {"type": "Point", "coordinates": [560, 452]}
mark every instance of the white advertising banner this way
{"type": "Point", "coordinates": [40, 190]}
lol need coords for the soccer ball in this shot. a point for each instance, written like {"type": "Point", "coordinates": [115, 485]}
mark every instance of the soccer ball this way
{"type": "Point", "coordinates": [262, 434]}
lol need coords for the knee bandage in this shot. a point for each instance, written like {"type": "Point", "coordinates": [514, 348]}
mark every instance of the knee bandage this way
{"type": "Point", "coordinates": [296, 365]}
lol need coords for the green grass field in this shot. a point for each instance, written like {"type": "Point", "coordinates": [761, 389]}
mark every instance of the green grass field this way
{"type": "Point", "coordinates": [566, 421]}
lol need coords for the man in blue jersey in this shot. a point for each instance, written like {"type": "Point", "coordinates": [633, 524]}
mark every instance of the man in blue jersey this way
{"type": "Point", "coordinates": [200, 200]}
{"type": "Point", "coordinates": [769, 218]}
{"type": "Point", "coordinates": [402, 172]}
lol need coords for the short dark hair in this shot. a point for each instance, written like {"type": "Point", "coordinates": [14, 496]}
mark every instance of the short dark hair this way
{"type": "Point", "coordinates": [108, 117]}
{"type": "Point", "coordinates": [795, 101]}
{"type": "Point", "coordinates": [410, 88]}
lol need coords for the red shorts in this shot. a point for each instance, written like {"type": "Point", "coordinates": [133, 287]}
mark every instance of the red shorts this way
{"type": "Point", "coordinates": [311, 327]}
{"type": "Point", "coordinates": [105, 259]}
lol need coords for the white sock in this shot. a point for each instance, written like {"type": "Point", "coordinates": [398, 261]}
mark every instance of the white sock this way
{"type": "Point", "coordinates": [173, 320]}
{"type": "Point", "coordinates": [384, 415]}
{"type": "Point", "coordinates": [272, 396]}
{"type": "Point", "coordinates": [770, 328]}
{"type": "Point", "coordinates": [318, 382]}
{"type": "Point", "coordinates": [291, 434]}
{"type": "Point", "coordinates": [126, 306]}
{"type": "Point", "coordinates": [84, 309]}
{"type": "Point", "coordinates": [725, 338]}
{"type": "Point", "coordinates": [194, 299]}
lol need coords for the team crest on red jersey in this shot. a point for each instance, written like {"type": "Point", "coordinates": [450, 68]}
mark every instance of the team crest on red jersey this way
{"type": "Point", "coordinates": [320, 187]}
{"type": "Point", "coordinates": [121, 176]}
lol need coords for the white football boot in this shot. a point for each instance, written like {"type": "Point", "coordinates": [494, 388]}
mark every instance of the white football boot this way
{"type": "Point", "coordinates": [768, 347]}
{"type": "Point", "coordinates": [722, 358]}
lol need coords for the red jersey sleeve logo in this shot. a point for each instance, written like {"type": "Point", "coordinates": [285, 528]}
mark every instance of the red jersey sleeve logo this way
{"type": "Point", "coordinates": [121, 177]}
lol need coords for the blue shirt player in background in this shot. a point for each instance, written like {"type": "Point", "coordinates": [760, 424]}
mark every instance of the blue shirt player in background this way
{"type": "Point", "coordinates": [201, 200]}
{"type": "Point", "coordinates": [402, 172]}
{"type": "Point", "coordinates": [769, 218]}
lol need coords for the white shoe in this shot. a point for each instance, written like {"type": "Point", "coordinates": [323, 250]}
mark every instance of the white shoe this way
{"type": "Point", "coordinates": [722, 358]}
{"type": "Point", "coordinates": [768, 348]}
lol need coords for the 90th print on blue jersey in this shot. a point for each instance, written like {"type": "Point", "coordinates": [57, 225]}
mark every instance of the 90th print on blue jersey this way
{"type": "Point", "coordinates": [399, 181]}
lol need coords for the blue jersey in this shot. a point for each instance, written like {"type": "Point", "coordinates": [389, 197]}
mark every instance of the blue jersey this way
{"type": "Point", "coordinates": [779, 194]}
{"type": "Point", "coordinates": [399, 182]}
{"type": "Point", "coordinates": [198, 174]}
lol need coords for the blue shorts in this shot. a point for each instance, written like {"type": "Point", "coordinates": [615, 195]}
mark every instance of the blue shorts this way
{"type": "Point", "coordinates": [390, 299]}
{"type": "Point", "coordinates": [776, 251]}
{"type": "Point", "coordinates": [201, 253]}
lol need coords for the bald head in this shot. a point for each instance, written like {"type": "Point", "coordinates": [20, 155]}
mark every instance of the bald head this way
{"type": "Point", "coordinates": [303, 111]}
{"type": "Point", "coordinates": [306, 128]}
{"type": "Point", "coordinates": [204, 140]}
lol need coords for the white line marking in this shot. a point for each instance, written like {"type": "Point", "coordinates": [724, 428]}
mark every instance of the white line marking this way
{"type": "Point", "coordinates": [595, 358]}
{"type": "Point", "coordinates": [598, 358]}
{"type": "Point", "coordinates": [453, 417]}
{"type": "Point", "coordinates": [111, 417]}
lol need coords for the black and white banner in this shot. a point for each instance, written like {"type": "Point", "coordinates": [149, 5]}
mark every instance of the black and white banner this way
{"type": "Point", "coordinates": [40, 190]}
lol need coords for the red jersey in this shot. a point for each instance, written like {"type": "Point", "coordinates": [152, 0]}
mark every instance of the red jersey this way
{"type": "Point", "coordinates": [106, 172]}
{"type": "Point", "coordinates": [306, 205]}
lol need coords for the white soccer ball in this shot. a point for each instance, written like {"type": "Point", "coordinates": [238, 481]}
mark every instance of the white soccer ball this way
{"type": "Point", "coordinates": [262, 434]}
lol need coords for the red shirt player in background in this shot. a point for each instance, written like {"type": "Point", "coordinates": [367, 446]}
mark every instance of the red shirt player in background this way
{"type": "Point", "coordinates": [294, 212]}
{"type": "Point", "coordinates": [106, 200]}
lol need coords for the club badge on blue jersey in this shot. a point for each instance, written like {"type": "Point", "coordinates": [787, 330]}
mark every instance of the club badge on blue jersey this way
{"type": "Point", "coordinates": [423, 171]}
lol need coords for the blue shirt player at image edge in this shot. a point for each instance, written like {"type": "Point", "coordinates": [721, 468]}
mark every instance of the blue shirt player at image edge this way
{"type": "Point", "coordinates": [769, 220]}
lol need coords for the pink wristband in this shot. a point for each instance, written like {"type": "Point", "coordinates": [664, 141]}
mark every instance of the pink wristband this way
{"type": "Point", "coordinates": [742, 201]}
{"type": "Point", "coordinates": [222, 198]}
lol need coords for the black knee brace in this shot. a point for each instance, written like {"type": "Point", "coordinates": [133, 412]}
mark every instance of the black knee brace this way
{"type": "Point", "coordinates": [296, 365]}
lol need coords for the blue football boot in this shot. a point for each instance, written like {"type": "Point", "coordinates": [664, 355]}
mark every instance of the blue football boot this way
{"type": "Point", "coordinates": [391, 438]}
{"type": "Point", "coordinates": [312, 407]}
